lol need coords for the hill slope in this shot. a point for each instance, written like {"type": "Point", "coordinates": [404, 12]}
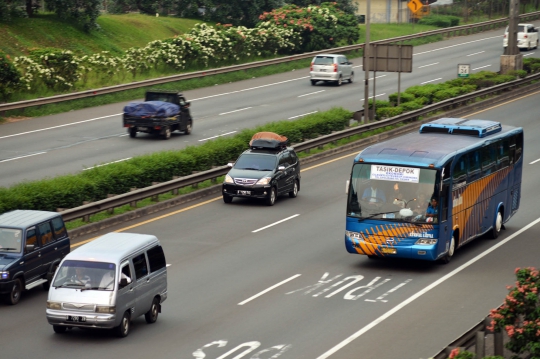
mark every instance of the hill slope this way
{"type": "Point", "coordinates": [117, 33]}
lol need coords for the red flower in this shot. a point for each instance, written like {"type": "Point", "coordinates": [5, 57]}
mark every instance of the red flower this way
{"type": "Point", "coordinates": [454, 353]}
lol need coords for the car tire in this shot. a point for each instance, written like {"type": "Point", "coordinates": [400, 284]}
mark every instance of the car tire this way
{"type": "Point", "coordinates": [122, 330]}
{"type": "Point", "coordinates": [50, 276]}
{"type": "Point", "coordinates": [313, 82]}
{"type": "Point", "coordinates": [271, 199]}
{"type": "Point", "coordinates": [167, 133]}
{"type": "Point", "coordinates": [448, 256]}
{"type": "Point", "coordinates": [59, 329]}
{"type": "Point", "coordinates": [294, 191]}
{"type": "Point", "coordinates": [189, 128]}
{"type": "Point", "coordinates": [227, 198]}
{"type": "Point", "coordinates": [132, 132]}
{"type": "Point", "coordinates": [497, 226]}
{"type": "Point", "coordinates": [339, 82]}
{"type": "Point", "coordinates": [152, 315]}
{"type": "Point", "coordinates": [14, 295]}
{"type": "Point", "coordinates": [351, 79]}
{"type": "Point", "coordinates": [536, 47]}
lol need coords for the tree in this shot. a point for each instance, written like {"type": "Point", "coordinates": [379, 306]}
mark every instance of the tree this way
{"type": "Point", "coordinates": [85, 12]}
{"type": "Point", "coordinates": [239, 12]}
{"type": "Point", "coordinates": [346, 5]}
{"type": "Point", "coordinates": [9, 77]}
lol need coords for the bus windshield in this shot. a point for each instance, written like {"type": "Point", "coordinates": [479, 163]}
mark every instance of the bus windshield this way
{"type": "Point", "coordinates": [393, 193]}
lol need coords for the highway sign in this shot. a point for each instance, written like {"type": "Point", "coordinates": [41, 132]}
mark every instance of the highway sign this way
{"type": "Point", "coordinates": [463, 70]}
{"type": "Point", "coordinates": [414, 5]}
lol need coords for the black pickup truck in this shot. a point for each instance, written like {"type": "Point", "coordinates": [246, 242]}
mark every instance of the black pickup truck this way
{"type": "Point", "coordinates": [156, 116]}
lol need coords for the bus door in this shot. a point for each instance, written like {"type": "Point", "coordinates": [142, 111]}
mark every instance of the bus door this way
{"type": "Point", "coordinates": [514, 182]}
{"type": "Point", "coordinates": [445, 224]}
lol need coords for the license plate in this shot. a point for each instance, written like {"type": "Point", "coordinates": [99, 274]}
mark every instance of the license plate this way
{"type": "Point", "coordinates": [72, 318]}
{"type": "Point", "coordinates": [323, 70]}
{"type": "Point", "coordinates": [142, 128]}
{"type": "Point", "coordinates": [388, 250]}
{"type": "Point", "coordinates": [245, 193]}
{"type": "Point", "coordinates": [389, 215]}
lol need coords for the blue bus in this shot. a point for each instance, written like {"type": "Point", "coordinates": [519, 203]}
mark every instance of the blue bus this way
{"type": "Point", "coordinates": [425, 194]}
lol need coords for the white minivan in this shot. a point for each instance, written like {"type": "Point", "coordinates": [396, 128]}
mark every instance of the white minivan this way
{"type": "Point", "coordinates": [527, 37]}
{"type": "Point", "coordinates": [331, 68]}
{"type": "Point", "coordinates": [108, 282]}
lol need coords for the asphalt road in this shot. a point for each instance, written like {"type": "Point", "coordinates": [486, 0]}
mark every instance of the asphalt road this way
{"type": "Point", "coordinates": [242, 285]}
{"type": "Point", "coordinates": [72, 142]}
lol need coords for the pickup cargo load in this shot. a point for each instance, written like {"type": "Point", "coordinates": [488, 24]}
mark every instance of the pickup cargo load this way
{"type": "Point", "coordinates": [161, 113]}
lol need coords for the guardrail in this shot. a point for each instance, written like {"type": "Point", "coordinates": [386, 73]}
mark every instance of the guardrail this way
{"type": "Point", "coordinates": [86, 210]}
{"type": "Point", "coordinates": [450, 31]}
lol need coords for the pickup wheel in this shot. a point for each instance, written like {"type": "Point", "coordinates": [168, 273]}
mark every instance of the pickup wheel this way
{"type": "Point", "coordinates": [132, 132]}
{"type": "Point", "coordinates": [167, 133]}
{"type": "Point", "coordinates": [189, 128]}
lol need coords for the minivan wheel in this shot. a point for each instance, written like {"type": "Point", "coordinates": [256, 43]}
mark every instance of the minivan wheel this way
{"type": "Point", "coordinates": [227, 198]}
{"type": "Point", "coordinates": [313, 82]}
{"type": "Point", "coordinates": [15, 295]}
{"type": "Point", "coordinates": [351, 79]}
{"type": "Point", "coordinates": [271, 199]}
{"type": "Point", "coordinates": [294, 191]}
{"type": "Point", "coordinates": [59, 329]}
{"type": "Point", "coordinates": [339, 82]}
{"type": "Point", "coordinates": [152, 315]}
{"type": "Point", "coordinates": [122, 330]}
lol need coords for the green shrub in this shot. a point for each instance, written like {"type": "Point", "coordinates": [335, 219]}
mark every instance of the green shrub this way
{"type": "Point", "coordinates": [531, 64]}
{"type": "Point", "coordinates": [440, 20]}
{"type": "Point", "coordinates": [62, 69]}
{"type": "Point", "coordinates": [404, 97]}
{"type": "Point", "coordinates": [10, 77]}
{"type": "Point", "coordinates": [426, 91]}
{"type": "Point", "coordinates": [387, 112]}
{"type": "Point", "coordinates": [379, 103]}
{"type": "Point", "coordinates": [411, 106]}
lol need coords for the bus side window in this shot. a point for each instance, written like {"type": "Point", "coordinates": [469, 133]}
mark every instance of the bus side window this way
{"type": "Point", "coordinates": [460, 170]}
{"type": "Point", "coordinates": [503, 149]}
{"type": "Point", "coordinates": [489, 160]}
{"type": "Point", "coordinates": [473, 171]}
{"type": "Point", "coordinates": [519, 146]}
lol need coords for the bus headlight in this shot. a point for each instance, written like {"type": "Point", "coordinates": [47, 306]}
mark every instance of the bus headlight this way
{"type": "Point", "coordinates": [426, 241]}
{"type": "Point", "coordinates": [353, 235]}
{"type": "Point", "coordinates": [105, 309]}
{"type": "Point", "coordinates": [228, 179]}
{"type": "Point", "coordinates": [54, 305]}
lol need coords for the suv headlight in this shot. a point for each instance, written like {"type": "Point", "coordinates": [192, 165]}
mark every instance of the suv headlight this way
{"type": "Point", "coordinates": [228, 179]}
{"type": "Point", "coordinates": [4, 275]}
{"type": "Point", "coordinates": [426, 241]}
{"type": "Point", "coordinates": [353, 235]}
{"type": "Point", "coordinates": [54, 305]}
{"type": "Point", "coordinates": [265, 180]}
{"type": "Point", "coordinates": [105, 309]}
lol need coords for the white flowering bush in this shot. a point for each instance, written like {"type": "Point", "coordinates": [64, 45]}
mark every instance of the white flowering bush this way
{"type": "Point", "coordinates": [283, 31]}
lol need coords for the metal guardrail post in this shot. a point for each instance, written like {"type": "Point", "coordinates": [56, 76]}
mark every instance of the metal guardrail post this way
{"type": "Point", "coordinates": [498, 343]}
{"type": "Point", "coordinates": [480, 344]}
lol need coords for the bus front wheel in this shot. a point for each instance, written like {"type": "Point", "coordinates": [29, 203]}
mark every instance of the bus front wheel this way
{"type": "Point", "coordinates": [451, 249]}
{"type": "Point", "coordinates": [496, 226]}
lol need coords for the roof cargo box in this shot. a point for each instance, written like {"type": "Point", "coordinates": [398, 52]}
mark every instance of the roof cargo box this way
{"type": "Point", "coordinates": [268, 140]}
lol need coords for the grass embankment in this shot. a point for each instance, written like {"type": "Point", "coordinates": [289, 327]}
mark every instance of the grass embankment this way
{"type": "Point", "coordinates": [119, 32]}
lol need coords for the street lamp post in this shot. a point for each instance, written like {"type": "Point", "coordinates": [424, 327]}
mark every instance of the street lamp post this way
{"type": "Point", "coordinates": [367, 115]}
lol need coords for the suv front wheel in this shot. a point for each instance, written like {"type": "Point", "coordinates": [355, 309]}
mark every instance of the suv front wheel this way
{"type": "Point", "coordinates": [271, 199]}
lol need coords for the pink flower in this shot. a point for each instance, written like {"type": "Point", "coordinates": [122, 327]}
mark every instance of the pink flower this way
{"type": "Point", "coordinates": [454, 353]}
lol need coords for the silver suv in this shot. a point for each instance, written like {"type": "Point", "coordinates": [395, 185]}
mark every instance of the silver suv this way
{"type": "Point", "coordinates": [329, 67]}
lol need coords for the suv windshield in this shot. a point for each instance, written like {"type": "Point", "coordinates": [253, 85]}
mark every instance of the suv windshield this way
{"type": "Point", "coordinates": [10, 239]}
{"type": "Point", "coordinates": [85, 275]}
{"type": "Point", "coordinates": [394, 193]}
{"type": "Point", "coordinates": [257, 162]}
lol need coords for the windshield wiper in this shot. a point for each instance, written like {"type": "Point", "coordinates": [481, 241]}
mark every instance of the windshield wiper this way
{"type": "Point", "coordinates": [9, 249]}
{"type": "Point", "coordinates": [379, 214]}
{"type": "Point", "coordinates": [249, 168]}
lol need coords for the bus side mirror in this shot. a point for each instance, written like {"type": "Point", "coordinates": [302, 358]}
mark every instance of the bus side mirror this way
{"type": "Point", "coordinates": [347, 187]}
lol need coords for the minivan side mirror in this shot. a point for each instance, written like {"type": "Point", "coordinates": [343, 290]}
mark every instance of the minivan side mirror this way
{"type": "Point", "coordinates": [230, 164]}
{"type": "Point", "coordinates": [281, 168]}
{"type": "Point", "coordinates": [350, 63]}
{"type": "Point", "coordinates": [123, 282]}
{"type": "Point", "coordinates": [29, 248]}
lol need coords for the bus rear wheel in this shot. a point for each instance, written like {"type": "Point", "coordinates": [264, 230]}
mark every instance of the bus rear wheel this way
{"type": "Point", "coordinates": [451, 249]}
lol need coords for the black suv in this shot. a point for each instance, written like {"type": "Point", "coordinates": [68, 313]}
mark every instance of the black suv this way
{"type": "Point", "coordinates": [268, 169]}
{"type": "Point", "coordinates": [32, 244]}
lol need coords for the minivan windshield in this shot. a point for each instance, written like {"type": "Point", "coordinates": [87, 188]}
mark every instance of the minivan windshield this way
{"type": "Point", "coordinates": [257, 162]}
{"type": "Point", "coordinates": [85, 275]}
{"type": "Point", "coordinates": [10, 239]}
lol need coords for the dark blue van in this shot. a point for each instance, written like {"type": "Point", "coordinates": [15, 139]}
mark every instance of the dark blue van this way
{"type": "Point", "coordinates": [32, 244]}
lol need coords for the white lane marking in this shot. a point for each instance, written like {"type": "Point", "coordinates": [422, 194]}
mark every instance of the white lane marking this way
{"type": "Point", "coordinates": [532, 53]}
{"type": "Point", "coordinates": [251, 88]}
{"type": "Point", "coordinates": [59, 126]}
{"type": "Point", "coordinates": [533, 162]}
{"type": "Point", "coordinates": [425, 82]}
{"type": "Point", "coordinates": [377, 77]}
{"type": "Point", "coordinates": [168, 265]}
{"type": "Point", "coordinates": [305, 114]}
{"type": "Point", "coordinates": [464, 43]}
{"type": "Point", "coordinates": [435, 63]}
{"type": "Point", "coordinates": [269, 289]}
{"type": "Point", "coordinates": [108, 163]}
{"type": "Point", "coordinates": [18, 158]}
{"type": "Point", "coordinates": [273, 224]}
{"type": "Point", "coordinates": [476, 53]}
{"type": "Point", "coordinates": [424, 291]}
{"type": "Point", "coordinates": [223, 134]}
{"type": "Point", "coordinates": [242, 109]}
{"type": "Point", "coordinates": [379, 95]}
{"type": "Point", "coordinates": [311, 93]}
{"type": "Point", "coordinates": [354, 67]}
{"type": "Point", "coordinates": [481, 67]}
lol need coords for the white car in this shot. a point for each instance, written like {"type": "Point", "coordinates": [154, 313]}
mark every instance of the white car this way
{"type": "Point", "coordinates": [527, 37]}
{"type": "Point", "coordinates": [332, 68]}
